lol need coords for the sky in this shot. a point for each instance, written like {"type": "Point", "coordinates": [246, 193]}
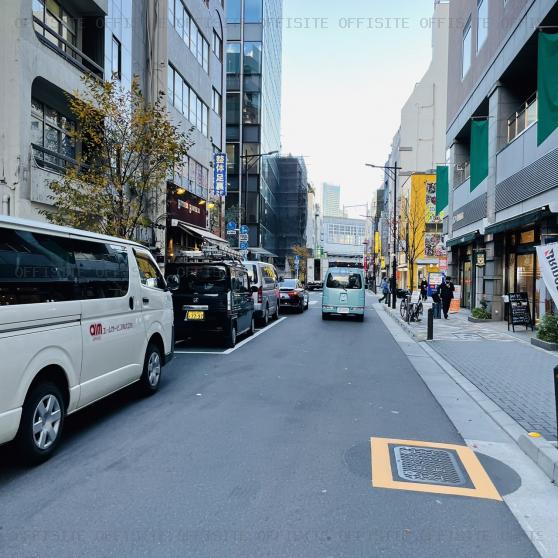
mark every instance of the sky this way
{"type": "Point", "coordinates": [345, 81]}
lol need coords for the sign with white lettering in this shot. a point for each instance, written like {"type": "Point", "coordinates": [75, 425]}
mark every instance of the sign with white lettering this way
{"type": "Point", "coordinates": [549, 268]}
{"type": "Point", "coordinates": [220, 174]}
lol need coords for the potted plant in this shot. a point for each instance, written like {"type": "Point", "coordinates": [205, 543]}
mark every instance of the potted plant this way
{"type": "Point", "coordinates": [481, 313]}
{"type": "Point", "coordinates": [547, 333]}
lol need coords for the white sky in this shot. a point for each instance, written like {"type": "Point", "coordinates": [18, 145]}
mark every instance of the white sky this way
{"type": "Point", "coordinates": [343, 88]}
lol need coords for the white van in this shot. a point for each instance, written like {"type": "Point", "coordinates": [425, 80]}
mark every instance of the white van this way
{"type": "Point", "coordinates": [264, 276]}
{"type": "Point", "coordinates": [81, 316]}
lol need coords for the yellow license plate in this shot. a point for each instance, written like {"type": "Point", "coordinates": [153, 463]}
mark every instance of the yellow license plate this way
{"type": "Point", "coordinates": [195, 315]}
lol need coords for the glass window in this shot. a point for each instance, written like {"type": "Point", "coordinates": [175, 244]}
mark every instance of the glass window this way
{"type": "Point", "coordinates": [206, 279]}
{"type": "Point", "coordinates": [233, 58]}
{"type": "Point", "coordinates": [232, 158]}
{"type": "Point", "coordinates": [217, 46]}
{"type": "Point", "coordinates": [150, 275]}
{"type": "Point", "coordinates": [199, 115]}
{"type": "Point", "coordinates": [116, 59]}
{"type": "Point", "coordinates": [102, 269]}
{"type": "Point", "coordinates": [252, 58]}
{"type": "Point", "coordinates": [467, 45]}
{"type": "Point", "coordinates": [170, 84]}
{"type": "Point", "coordinates": [233, 108]}
{"type": "Point", "coordinates": [216, 102]}
{"type": "Point", "coordinates": [178, 84]}
{"type": "Point", "coordinates": [251, 108]}
{"type": "Point", "coordinates": [482, 23]}
{"type": "Point", "coordinates": [527, 237]}
{"type": "Point", "coordinates": [171, 12]}
{"type": "Point", "coordinates": [193, 108]}
{"type": "Point", "coordinates": [35, 268]}
{"type": "Point", "coordinates": [205, 119]}
{"type": "Point", "coordinates": [350, 281]}
{"type": "Point", "coordinates": [186, 29]}
{"type": "Point", "coordinates": [186, 92]}
{"type": "Point", "coordinates": [205, 64]}
{"type": "Point", "coordinates": [179, 19]}
{"type": "Point", "coordinates": [253, 11]}
{"type": "Point", "coordinates": [233, 11]}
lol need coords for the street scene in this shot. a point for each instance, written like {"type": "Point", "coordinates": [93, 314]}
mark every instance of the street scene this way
{"type": "Point", "coordinates": [279, 278]}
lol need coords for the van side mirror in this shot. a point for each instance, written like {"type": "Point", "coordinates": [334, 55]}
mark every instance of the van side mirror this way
{"type": "Point", "coordinates": [253, 289]}
{"type": "Point", "coordinates": [173, 282]}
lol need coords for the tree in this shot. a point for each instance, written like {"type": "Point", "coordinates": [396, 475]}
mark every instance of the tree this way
{"type": "Point", "coordinates": [412, 233]}
{"type": "Point", "coordinates": [128, 149]}
{"type": "Point", "coordinates": [303, 253]}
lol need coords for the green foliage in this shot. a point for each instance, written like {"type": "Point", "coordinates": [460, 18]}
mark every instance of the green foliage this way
{"type": "Point", "coordinates": [548, 328]}
{"type": "Point", "coordinates": [128, 148]}
{"type": "Point", "coordinates": [482, 313]}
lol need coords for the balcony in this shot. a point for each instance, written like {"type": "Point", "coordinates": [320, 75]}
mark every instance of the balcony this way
{"type": "Point", "coordinates": [524, 118]}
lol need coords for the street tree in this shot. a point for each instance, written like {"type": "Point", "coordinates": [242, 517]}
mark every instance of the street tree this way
{"type": "Point", "coordinates": [127, 149]}
{"type": "Point", "coordinates": [303, 253]}
{"type": "Point", "coordinates": [412, 233]}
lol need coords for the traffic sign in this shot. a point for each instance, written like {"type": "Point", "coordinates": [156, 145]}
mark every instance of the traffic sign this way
{"type": "Point", "coordinates": [231, 232]}
{"type": "Point", "coordinates": [244, 229]}
{"type": "Point", "coordinates": [231, 226]}
{"type": "Point", "coordinates": [244, 245]}
{"type": "Point", "coordinates": [244, 237]}
{"type": "Point", "coordinates": [244, 253]}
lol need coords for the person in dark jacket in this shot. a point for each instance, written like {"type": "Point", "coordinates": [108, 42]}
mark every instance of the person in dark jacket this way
{"type": "Point", "coordinates": [423, 289]}
{"type": "Point", "coordinates": [385, 290]}
{"type": "Point", "coordinates": [445, 291]}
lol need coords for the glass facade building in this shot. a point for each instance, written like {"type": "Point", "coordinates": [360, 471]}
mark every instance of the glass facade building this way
{"type": "Point", "coordinates": [253, 68]}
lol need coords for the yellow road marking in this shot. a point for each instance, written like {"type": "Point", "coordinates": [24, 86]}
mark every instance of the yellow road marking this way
{"type": "Point", "coordinates": [382, 476]}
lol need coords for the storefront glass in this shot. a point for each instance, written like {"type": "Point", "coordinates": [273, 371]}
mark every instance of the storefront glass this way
{"type": "Point", "coordinates": [526, 276]}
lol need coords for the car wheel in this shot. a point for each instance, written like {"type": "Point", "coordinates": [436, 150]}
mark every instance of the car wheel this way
{"type": "Point", "coordinates": [360, 318]}
{"type": "Point", "coordinates": [230, 338]}
{"type": "Point", "coordinates": [265, 320]}
{"type": "Point", "coordinates": [253, 325]}
{"type": "Point", "coordinates": [152, 368]}
{"type": "Point", "coordinates": [42, 422]}
{"type": "Point", "coordinates": [325, 316]}
{"type": "Point", "coordinates": [300, 308]}
{"type": "Point", "coordinates": [307, 304]}
{"type": "Point", "coordinates": [276, 313]}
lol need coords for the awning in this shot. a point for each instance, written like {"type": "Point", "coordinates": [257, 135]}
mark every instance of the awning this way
{"type": "Point", "coordinates": [262, 252]}
{"type": "Point", "coordinates": [518, 222]}
{"type": "Point", "coordinates": [460, 240]}
{"type": "Point", "coordinates": [198, 231]}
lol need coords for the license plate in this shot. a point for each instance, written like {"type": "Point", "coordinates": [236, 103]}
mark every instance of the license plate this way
{"type": "Point", "coordinates": [194, 315]}
{"type": "Point", "coordinates": [343, 310]}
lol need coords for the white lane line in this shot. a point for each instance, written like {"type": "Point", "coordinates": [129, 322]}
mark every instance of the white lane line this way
{"type": "Point", "coordinates": [312, 302]}
{"type": "Point", "coordinates": [241, 344]}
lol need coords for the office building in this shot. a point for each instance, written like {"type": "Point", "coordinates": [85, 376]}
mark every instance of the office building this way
{"type": "Point", "coordinates": [331, 200]}
{"type": "Point", "coordinates": [253, 100]}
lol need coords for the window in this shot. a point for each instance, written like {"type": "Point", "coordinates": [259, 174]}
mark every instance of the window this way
{"type": "Point", "coordinates": [171, 12]}
{"type": "Point", "coordinates": [217, 102]}
{"type": "Point", "coordinates": [217, 46]}
{"type": "Point", "coordinates": [233, 58]}
{"type": "Point", "coordinates": [205, 119]}
{"type": "Point", "coordinates": [251, 108]}
{"type": "Point", "coordinates": [482, 23]}
{"type": "Point", "coordinates": [150, 275]}
{"type": "Point", "coordinates": [116, 59]}
{"type": "Point", "coordinates": [202, 279]}
{"type": "Point", "coordinates": [350, 281]}
{"type": "Point", "coordinates": [102, 269]}
{"type": "Point", "coordinates": [53, 131]}
{"type": "Point", "coordinates": [57, 20]}
{"type": "Point", "coordinates": [253, 11]}
{"type": "Point", "coordinates": [233, 108]}
{"type": "Point", "coordinates": [205, 64]}
{"type": "Point", "coordinates": [233, 11]}
{"type": "Point", "coordinates": [467, 45]}
{"type": "Point", "coordinates": [252, 58]}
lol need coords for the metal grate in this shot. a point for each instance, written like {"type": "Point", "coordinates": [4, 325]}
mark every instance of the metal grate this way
{"type": "Point", "coordinates": [428, 465]}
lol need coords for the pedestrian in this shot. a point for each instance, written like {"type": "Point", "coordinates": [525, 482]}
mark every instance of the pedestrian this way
{"type": "Point", "coordinates": [384, 286]}
{"type": "Point", "coordinates": [445, 291]}
{"type": "Point", "coordinates": [424, 289]}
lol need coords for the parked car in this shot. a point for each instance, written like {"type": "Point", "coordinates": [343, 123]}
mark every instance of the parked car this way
{"type": "Point", "coordinates": [81, 316]}
{"type": "Point", "coordinates": [344, 291]}
{"type": "Point", "coordinates": [211, 298]}
{"type": "Point", "coordinates": [315, 285]}
{"type": "Point", "coordinates": [266, 299]}
{"type": "Point", "coordinates": [293, 295]}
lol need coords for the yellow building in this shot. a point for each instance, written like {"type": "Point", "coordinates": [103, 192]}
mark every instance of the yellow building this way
{"type": "Point", "coordinates": [420, 231]}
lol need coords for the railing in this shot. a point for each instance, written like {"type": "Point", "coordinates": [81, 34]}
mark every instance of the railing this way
{"type": "Point", "coordinates": [462, 172]}
{"type": "Point", "coordinates": [51, 160]}
{"type": "Point", "coordinates": [526, 116]}
{"type": "Point", "coordinates": [77, 57]}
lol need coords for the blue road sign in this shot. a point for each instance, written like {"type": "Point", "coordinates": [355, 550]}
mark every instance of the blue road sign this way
{"type": "Point", "coordinates": [244, 245]}
{"type": "Point", "coordinates": [231, 225]}
{"type": "Point", "coordinates": [244, 229]}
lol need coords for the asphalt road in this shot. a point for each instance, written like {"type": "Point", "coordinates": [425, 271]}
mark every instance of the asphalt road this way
{"type": "Point", "coordinates": [262, 452]}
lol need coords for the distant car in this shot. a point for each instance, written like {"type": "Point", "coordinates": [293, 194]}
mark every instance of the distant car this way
{"type": "Point", "coordinates": [264, 277]}
{"type": "Point", "coordinates": [293, 295]}
{"type": "Point", "coordinates": [315, 285]}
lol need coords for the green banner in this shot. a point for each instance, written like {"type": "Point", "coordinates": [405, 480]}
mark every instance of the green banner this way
{"type": "Point", "coordinates": [442, 188]}
{"type": "Point", "coordinates": [547, 85]}
{"type": "Point", "coordinates": [479, 152]}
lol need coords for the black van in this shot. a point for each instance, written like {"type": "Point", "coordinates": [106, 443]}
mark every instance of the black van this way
{"type": "Point", "coordinates": [211, 298]}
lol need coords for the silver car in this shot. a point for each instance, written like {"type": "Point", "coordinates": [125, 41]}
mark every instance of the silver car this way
{"type": "Point", "coordinates": [266, 298]}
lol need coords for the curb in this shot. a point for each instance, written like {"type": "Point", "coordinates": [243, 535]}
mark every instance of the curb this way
{"type": "Point", "coordinates": [542, 452]}
{"type": "Point", "coordinates": [405, 326]}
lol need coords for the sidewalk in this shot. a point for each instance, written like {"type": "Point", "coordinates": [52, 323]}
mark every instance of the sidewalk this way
{"type": "Point", "coordinates": [503, 365]}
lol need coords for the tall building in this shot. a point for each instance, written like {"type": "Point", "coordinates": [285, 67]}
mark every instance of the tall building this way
{"type": "Point", "coordinates": [331, 200]}
{"type": "Point", "coordinates": [502, 138]}
{"type": "Point", "coordinates": [57, 42]}
{"type": "Point", "coordinates": [253, 74]}
{"type": "Point", "coordinates": [292, 207]}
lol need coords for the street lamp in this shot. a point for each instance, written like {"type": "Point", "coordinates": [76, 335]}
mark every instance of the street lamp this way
{"type": "Point", "coordinates": [249, 161]}
{"type": "Point", "coordinates": [392, 170]}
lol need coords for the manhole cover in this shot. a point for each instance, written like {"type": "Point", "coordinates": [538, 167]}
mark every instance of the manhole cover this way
{"type": "Point", "coordinates": [428, 465]}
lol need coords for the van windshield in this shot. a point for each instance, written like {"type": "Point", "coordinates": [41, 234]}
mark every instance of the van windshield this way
{"type": "Point", "coordinates": [202, 279]}
{"type": "Point", "coordinates": [344, 281]}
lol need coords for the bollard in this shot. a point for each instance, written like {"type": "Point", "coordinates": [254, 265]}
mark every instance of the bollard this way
{"type": "Point", "coordinates": [556, 395]}
{"type": "Point", "coordinates": [430, 333]}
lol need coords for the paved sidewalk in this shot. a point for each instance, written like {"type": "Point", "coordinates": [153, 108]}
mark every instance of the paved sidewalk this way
{"type": "Point", "coordinates": [503, 365]}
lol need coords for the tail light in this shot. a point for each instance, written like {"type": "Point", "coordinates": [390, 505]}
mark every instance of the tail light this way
{"type": "Point", "coordinates": [293, 294]}
{"type": "Point", "coordinates": [229, 301]}
{"type": "Point", "coordinates": [260, 295]}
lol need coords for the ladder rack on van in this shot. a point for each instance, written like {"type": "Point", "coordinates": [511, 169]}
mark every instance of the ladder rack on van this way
{"type": "Point", "coordinates": [209, 254]}
{"type": "Point", "coordinates": [356, 265]}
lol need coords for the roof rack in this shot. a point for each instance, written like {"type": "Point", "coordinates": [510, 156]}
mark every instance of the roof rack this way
{"type": "Point", "coordinates": [357, 265]}
{"type": "Point", "coordinates": [209, 253]}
